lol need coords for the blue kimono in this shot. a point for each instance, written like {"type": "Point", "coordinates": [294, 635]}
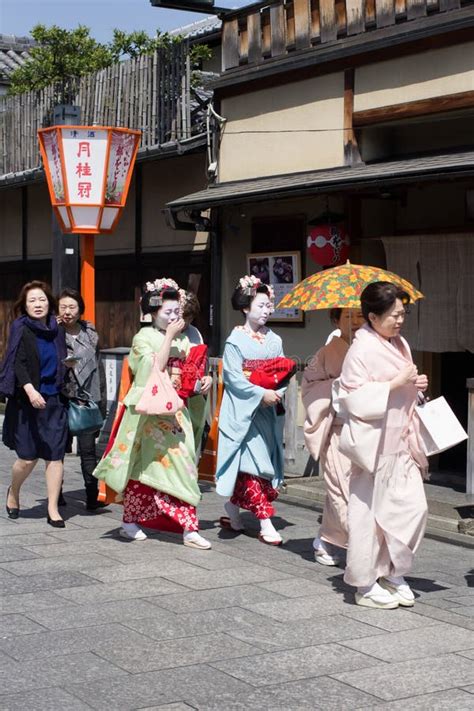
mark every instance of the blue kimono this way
{"type": "Point", "coordinates": [250, 435]}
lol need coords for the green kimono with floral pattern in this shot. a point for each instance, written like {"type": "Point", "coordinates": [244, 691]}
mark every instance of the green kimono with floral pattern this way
{"type": "Point", "coordinates": [157, 450]}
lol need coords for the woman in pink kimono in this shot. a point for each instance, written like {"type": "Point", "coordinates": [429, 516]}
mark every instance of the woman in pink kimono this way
{"type": "Point", "coordinates": [376, 396]}
{"type": "Point", "coordinates": [322, 431]}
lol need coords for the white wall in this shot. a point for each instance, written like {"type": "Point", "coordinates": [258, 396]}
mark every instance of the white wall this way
{"type": "Point", "coordinates": [449, 70]}
{"type": "Point", "coordinates": [297, 127]}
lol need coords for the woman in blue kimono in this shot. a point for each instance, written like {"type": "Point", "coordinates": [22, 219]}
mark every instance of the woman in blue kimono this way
{"type": "Point", "coordinates": [250, 449]}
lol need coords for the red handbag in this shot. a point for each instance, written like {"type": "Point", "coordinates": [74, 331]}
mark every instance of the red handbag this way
{"type": "Point", "coordinates": [194, 368]}
{"type": "Point", "coordinates": [271, 374]}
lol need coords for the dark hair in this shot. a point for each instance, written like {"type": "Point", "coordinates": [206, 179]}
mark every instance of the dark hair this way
{"type": "Point", "coordinates": [73, 294]}
{"type": "Point", "coordinates": [191, 307]}
{"type": "Point", "coordinates": [241, 301]}
{"type": "Point", "coordinates": [152, 301]}
{"type": "Point", "coordinates": [379, 297]}
{"type": "Point", "coordinates": [19, 307]}
{"type": "Point", "coordinates": [335, 315]}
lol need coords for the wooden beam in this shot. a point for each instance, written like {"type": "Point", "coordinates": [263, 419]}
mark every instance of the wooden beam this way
{"type": "Point", "coordinates": [327, 11]}
{"type": "Point", "coordinates": [255, 38]}
{"type": "Point", "coordinates": [355, 17]}
{"type": "Point", "coordinates": [415, 9]}
{"type": "Point", "coordinates": [278, 26]}
{"type": "Point", "coordinates": [412, 109]}
{"type": "Point", "coordinates": [302, 23]}
{"type": "Point", "coordinates": [384, 13]}
{"type": "Point", "coordinates": [230, 44]}
{"type": "Point", "coordinates": [445, 5]}
{"type": "Point", "coordinates": [351, 149]}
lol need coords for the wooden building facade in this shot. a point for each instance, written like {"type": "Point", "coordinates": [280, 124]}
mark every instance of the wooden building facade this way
{"type": "Point", "coordinates": [365, 107]}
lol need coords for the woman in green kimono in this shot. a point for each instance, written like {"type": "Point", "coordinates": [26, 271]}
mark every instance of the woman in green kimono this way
{"type": "Point", "coordinates": [152, 460]}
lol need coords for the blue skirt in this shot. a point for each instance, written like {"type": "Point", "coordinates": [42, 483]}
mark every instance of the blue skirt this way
{"type": "Point", "coordinates": [36, 434]}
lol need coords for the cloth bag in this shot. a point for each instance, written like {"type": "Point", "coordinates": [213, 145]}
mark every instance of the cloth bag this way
{"type": "Point", "coordinates": [84, 416]}
{"type": "Point", "coordinates": [440, 429]}
{"type": "Point", "coordinates": [194, 368]}
{"type": "Point", "coordinates": [274, 373]}
{"type": "Point", "coordinates": [159, 396]}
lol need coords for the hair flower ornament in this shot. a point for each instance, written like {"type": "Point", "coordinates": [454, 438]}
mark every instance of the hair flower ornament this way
{"type": "Point", "coordinates": [154, 290]}
{"type": "Point", "coordinates": [250, 283]}
{"type": "Point", "coordinates": [160, 285]}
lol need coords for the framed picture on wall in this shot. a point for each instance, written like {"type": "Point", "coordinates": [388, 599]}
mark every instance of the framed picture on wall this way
{"type": "Point", "coordinates": [282, 270]}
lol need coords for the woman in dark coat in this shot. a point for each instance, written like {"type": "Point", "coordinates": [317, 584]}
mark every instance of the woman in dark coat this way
{"type": "Point", "coordinates": [32, 377]}
{"type": "Point", "coordinates": [85, 377]}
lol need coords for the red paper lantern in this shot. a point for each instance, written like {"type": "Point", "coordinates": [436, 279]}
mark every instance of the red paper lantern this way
{"type": "Point", "coordinates": [328, 244]}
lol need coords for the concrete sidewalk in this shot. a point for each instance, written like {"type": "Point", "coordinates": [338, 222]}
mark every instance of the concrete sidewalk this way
{"type": "Point", "coordinates": [450, 512]}
{"type": "Point", "coordinates": [90, 621]}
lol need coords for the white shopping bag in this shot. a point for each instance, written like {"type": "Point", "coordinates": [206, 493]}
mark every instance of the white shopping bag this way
{"type": "Point", "coordinates": [439, 427]}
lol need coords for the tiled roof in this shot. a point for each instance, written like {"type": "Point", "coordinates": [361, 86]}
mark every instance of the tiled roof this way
{"type": "Point", "coordinates": [421, 168]}
{"type": "Point", "coordinates": [201, 28]}
{"type": "Point", "coordinates": [14, 51]}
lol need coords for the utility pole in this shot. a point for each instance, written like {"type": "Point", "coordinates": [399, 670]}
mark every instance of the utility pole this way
{"type": "Point", "coordinates": [66, 258]}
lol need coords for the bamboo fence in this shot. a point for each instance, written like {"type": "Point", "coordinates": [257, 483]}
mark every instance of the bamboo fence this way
{"type": "Point", "coordinates": [151, 93]}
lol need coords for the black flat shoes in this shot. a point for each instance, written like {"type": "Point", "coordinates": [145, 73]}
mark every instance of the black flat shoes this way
{"type": "Point", "coordinates": [59, 523]}
{"type": "Point", "coordinates": [12, 513]}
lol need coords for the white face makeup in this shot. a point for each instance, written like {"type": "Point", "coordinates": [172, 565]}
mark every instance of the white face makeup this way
{"type": "Point", "coordinates": [168, 313]}
{"type": "Point", "coordinates": [259, 312]}
{"type": "Point", "coordinates": [37, 304]}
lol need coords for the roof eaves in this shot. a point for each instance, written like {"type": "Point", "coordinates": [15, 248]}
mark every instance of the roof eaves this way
{"type": "Point", "coordinates": [299, 184]}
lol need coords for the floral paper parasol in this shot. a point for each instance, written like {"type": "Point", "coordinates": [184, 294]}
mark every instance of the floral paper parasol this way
{"type": "Point", "coordinates": [340, 287]}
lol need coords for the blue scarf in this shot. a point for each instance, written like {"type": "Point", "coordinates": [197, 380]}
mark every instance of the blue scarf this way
{"type": "Point", "coordinates": [49, 332]}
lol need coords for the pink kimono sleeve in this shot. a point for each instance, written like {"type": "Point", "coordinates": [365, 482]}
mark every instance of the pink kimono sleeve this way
{"type": "Point", "coordinates": [316, 395]}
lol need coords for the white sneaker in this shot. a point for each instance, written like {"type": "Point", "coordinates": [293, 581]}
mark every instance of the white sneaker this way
{"type": "Point", "coordinates": [376, 597]}
{"type": "Point", "coordinates": [322, 556]}
{"type": "Point", "coordinates": [194, 540]}
{"type": "Point", "coordinates": [399, 589]}
{"type": "Point", "coordinates": [132, 532]}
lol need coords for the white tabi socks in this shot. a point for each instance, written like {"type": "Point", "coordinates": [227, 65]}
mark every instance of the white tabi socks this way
{"type": "Point", "coordinates": [233, 513]}
{"type": "Point", "coordinates": [268, 531]}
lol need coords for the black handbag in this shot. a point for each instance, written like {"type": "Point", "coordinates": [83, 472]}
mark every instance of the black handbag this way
{"type": "Point", "coordinates": [84, 416]}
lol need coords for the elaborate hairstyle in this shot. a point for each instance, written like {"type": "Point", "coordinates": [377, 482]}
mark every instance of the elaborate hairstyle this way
{"type": "Point", "coordinates": [19, 307]}
{"type": "Point", "coordinates": [380, 296]}
{"type": "Point", "coordinates": [73, 294]}
{"type": "Point", "coordinates": [247, 289]}
{"type": "Point", "coordinates": [192, 307]}
{"type": "Point", "coordinates": [158, 291]}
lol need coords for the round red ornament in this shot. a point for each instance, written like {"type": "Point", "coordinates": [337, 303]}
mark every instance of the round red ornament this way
{"type": "Point", "coordinates": [329, 244]}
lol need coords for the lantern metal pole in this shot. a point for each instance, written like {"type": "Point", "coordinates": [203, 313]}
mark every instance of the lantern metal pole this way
{"type": "Point", "coordinates": [88, 276]}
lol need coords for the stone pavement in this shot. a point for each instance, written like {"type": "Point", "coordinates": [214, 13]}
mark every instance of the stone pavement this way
{"type": "Point", "coordinates": [90, 621]}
